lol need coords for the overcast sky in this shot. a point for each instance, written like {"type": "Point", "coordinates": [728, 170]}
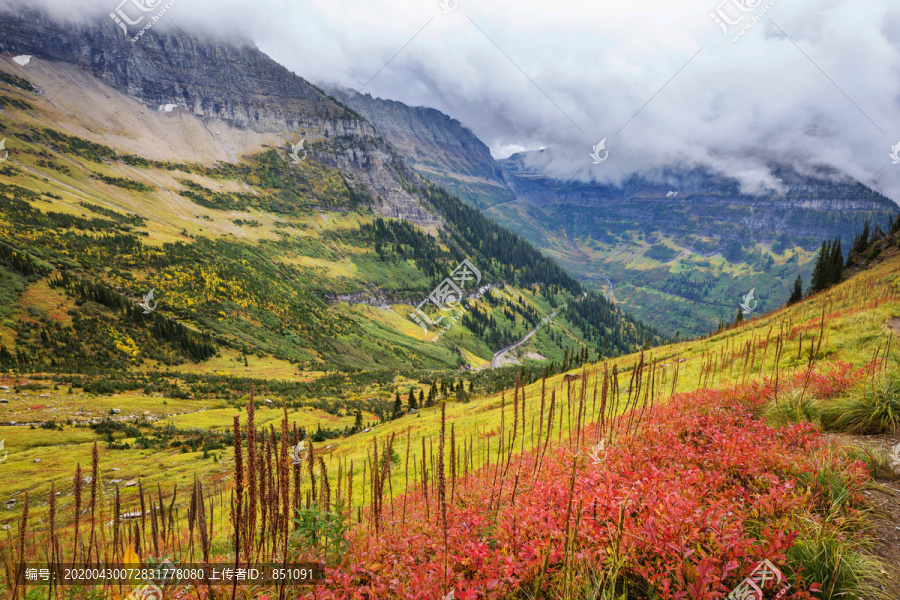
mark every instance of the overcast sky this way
{"type": "Point", "coordinates": [812, 82]}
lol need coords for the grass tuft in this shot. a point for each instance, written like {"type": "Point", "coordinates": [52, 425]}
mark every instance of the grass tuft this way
{"type": "Point", "coordinates": [877, 460]}
{"type": "Point", "coordinates": [833, 557]}
{"type": "Point", "coordinates": [870, 409]}
{"type": "Point", "coordinates": [794, 407]}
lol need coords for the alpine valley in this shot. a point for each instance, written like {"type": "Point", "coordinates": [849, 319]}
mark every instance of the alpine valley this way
{"type": "Point", "coordinates": [288, 341]}
{"type": "Point", "coordinates": [677, 248]}
{"type": "Point", "coordinates": [133, 170]}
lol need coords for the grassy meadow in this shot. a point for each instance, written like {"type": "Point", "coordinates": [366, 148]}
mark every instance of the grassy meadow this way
{"type": "Point", "coordinates": [842, 336]}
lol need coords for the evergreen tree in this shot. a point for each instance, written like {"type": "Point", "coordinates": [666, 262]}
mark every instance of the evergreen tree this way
{"type": "Point", "coordinates": [894, 225]}
{"type": "Point", "coordinates": [739, 317]}
{"type": "Point", "coordinates": [398, 407]}
{"type": "Point", "coordinates": [411, 401]}
{"type": "Point", "coordinates": [836, 270]}
{"type": "Point", "coordinates": [422, 397]}
{"type": "Point", "coordinates": [862, 240]}
{"type": "Point", "coordinates": [357, 424]}
{"type": "Point", "coordinates": [797, 292]}
{"type": "Point", "coordinates": [819, 274]}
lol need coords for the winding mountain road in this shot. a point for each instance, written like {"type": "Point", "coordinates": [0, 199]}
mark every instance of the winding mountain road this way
{"type": "Point", "coordinates": [501, 353]}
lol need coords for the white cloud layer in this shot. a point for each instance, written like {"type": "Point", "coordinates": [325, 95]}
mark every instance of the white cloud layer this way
{"type": "Point", "coordinates": [811, 82]}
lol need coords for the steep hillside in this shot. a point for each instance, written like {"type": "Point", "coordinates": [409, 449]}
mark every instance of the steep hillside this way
{"type": "Point", "coordinates": [687, 465]}
{"type": "Point", "coordinates": [436, 146]}
{"type": "Point", "coordinates": [679, 249]}
{"type": "Point", "coordinates": [314, 257]}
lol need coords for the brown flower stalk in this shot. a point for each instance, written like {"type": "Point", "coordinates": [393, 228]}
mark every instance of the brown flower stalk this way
{"type": "Point", "coordinates": [249, 524]}
{"type": "Point", "coordinates": [117, 516]}
{"type": "Point", "coordinates": [162, 514]}
{"type": "Point", "coordinates": [171, 514]}
{"type": "Point", "coordinates": [23, 527]}
{"type": "Point", "coordinates": [540, 420]}
{"type": "Point", "coordinates": [143, 508]}
{"type": "Point", "coordinates": [550, 412]}
{"type": "Point", "coordinates": [154, 525]}
{"type": "Point", "coordinates": [453, 461]}
{"type": "Point", "coordinates": [298, 474]}
{"type": "Point", "coordinates": [406, 475]}
{"type": "Point", "coordinates": [311, 462]}
{"type": "Point", "coordinates": [95, 468]}
{"type": "Point", "coordinates": [261, 487]}
{"type": "Point", "coordinates": [350, 489]}
{"type": "Point", "coordinates": [283, 475]}
{"type": "Point", "coordinates": [240, 525]}
{"type": "Point", "coordinates": [77, 492]}
{"type": "Point", "coordinates": [425, 479]}
{"type": "Point", "coordinates": [325, 500]}
{"type": "Point", "coordinates": [54, 535]}
{"type": "Point", "coordinates": [442, 492]}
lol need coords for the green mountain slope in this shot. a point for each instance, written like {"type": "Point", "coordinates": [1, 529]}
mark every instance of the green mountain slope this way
{"type": "Point", "coordinates": [680, 249]}
{"type": "Point", "coordinates": [297, 261]}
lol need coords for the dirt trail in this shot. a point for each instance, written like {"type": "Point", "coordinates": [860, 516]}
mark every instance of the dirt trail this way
{"type": "Point", "coordinates": [894, 324]}
{"type": "Point", "coordinates": [883, 497]}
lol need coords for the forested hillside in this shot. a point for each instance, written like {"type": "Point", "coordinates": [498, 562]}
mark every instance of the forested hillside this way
{"type": "Point", "coordinates": [314, 262]}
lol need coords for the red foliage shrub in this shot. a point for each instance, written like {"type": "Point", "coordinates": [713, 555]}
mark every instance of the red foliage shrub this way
{"type": "Point", "coordinates": [690, 504]}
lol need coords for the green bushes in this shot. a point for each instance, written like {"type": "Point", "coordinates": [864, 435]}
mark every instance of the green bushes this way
{"type": "Point", "coordinates": [661, 252]}
{"type": "Point", "coordinates": [322, 532]}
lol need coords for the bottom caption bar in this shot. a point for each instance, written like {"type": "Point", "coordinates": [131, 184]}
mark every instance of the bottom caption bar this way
{"type": "Point", "coordinates": [170, 574]}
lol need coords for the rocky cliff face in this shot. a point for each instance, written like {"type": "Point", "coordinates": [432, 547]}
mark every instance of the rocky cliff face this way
{"type": "Point", "coordinates": [231, 82]}
{"type": "Point", "coordinates": [436, 146]}
{"type": "Point", "coordinates": [806, 208]}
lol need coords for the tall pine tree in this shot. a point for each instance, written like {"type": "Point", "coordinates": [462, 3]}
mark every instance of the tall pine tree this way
{"type": "Point", "coordinates": [398, 407]}
{"type": "Point", "coordinates": [861, 242]}
{"type": "Point", "coordinates": [797, 292]}
{"type": "Point", "coordinates": [819, 275]}
{"type": "Point", "coordinates": [836, 270]}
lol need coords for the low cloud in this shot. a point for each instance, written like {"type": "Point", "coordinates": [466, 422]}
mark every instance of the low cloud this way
{"type": "Point", "coordinates": [808, 83]}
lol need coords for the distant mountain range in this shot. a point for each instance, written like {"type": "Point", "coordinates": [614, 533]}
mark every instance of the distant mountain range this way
{"type": "Point", "coordinates": [678, 249]}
